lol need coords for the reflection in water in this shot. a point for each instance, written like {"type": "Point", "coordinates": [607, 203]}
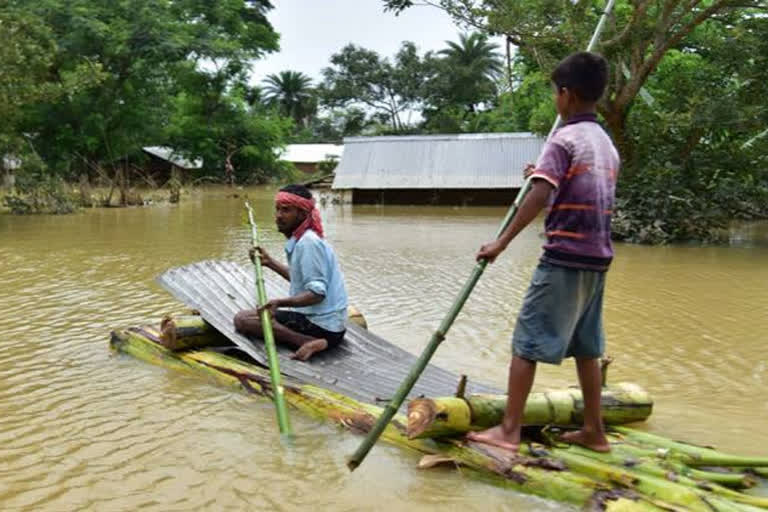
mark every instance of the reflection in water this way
{"type": "Point", "coordinates": [83, 429]}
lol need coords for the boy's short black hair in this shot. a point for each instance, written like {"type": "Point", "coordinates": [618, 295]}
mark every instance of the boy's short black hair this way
{"type": "Point", "coordinates": [584, 73]}
{"type": "Point", "coordinates": [298, 190]}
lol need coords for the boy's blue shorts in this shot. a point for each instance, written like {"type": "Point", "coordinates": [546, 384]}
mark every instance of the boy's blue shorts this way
{"type": "Point", "coordinates": [562, 315]}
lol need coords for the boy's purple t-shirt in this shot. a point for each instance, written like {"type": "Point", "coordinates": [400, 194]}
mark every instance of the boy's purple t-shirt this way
{"type": "Point", "coordinates": [582, 163]}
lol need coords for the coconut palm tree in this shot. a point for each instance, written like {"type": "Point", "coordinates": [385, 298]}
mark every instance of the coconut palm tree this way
{"type": "Point", "coordinates": [472, 64]}
{"type": "Point", "coordinates": [293, 94]}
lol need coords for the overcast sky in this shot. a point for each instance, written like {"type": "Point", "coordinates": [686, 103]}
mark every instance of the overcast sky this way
{"type": "Point", "coordinates": [312, 30]}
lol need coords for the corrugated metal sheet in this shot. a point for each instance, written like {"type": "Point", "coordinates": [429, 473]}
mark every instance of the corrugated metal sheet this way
{"type": "Point", "coordinates": [169, 155]}
{"type": "Point", "coordinates": [364, 366]}
{"type": "Point", "coordinates": [484, 160]}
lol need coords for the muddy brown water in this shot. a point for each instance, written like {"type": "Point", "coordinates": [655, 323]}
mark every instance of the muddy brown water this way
{"type": "Point", "coordinates": [82, 429]}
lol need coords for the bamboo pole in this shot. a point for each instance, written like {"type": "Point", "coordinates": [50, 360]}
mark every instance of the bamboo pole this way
{"type": "Point", "coordinates": [283, 421]}
{"type": "Point", "coordinates": [449, 416]}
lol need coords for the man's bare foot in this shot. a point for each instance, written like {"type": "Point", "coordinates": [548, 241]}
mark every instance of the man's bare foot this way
{"type": "Point", "coordinates": [496, 437]}
{"type": "Point", "coordinates": [591, 440]}
{"type": "Point", "coordinates": [309, 349]}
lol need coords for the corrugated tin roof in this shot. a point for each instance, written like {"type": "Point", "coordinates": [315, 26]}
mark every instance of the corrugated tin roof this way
{"type": "Point", "coordinates": [169, 155]}
{"type": "Point", "coordinates": [364, 366]}
{"type": "Point", "coordinates": [311, 153]}
{"type": "Point", "coordinates": [474, 160]}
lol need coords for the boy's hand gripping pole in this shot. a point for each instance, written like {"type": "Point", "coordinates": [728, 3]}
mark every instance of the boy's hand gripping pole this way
{"type": "Point", "coordinates": [269, 339]}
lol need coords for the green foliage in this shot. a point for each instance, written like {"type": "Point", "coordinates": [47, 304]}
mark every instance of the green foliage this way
{"type": "Point", "coordinates": [42, 194]}
{"type": "Point", "coordinates": [336, 124]}
{"type": "Point", "coordinates": [28, 74]}
{"type": "Point", "coordinates": [151, 60]}
{"type": "Point", "coordinates": [328, 165]}
{"type": "Point", "coordinates": [292, 94]}
{"type": "Point", "coordinates": [466, 74]}
{"type": "Point", "coordinates": [694, 158]}
{"type": "Point", "coordinates": [361, 78]}
{"type": "Point", "coordinates": [693, 167]}
{"type": "Point", "coordinates": [660, 206]}
{"type": "Point", "coordinates": [229, 134]}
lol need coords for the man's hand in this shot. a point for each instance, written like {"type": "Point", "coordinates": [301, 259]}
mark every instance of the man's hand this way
{"type": "Point", "coordinates": [271, 306]}
{"type": "Point", "coordinates": [266, 259]}
{"type": "Point", "coordinates": [490, 251]}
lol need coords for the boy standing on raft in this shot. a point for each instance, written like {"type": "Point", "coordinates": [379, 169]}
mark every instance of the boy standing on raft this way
{"type": "Point", "coordinates": [561, 314]}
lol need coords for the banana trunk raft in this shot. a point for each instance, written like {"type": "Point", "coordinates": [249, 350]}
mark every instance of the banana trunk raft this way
{"type": "Point", "coordinates": [644, 472]}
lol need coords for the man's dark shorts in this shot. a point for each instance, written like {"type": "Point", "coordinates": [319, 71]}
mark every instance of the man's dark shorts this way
{"type": "Point", "coordinates": [562, 315]}
{"type": "Point", "coordinates": [300, 323]}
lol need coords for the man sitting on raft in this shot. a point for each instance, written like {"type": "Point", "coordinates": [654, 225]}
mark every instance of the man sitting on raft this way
{"type": "Point", "coordinates": [317, 303]}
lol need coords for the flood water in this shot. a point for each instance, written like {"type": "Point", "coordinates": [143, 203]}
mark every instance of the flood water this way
{"type": "Point", "coordinates": [83, 429]}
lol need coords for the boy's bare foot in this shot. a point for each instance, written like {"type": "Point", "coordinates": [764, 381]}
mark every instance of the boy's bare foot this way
{"type": "Point", "coordinates": [591, 440]}
{"type": "Point", "coordinates": [496, 437]}
{"type": "Point", "coordinates": [310, 348]}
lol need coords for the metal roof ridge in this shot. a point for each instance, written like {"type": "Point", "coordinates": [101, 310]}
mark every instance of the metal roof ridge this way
{"type": "Point", "coordinates": [446, 136]}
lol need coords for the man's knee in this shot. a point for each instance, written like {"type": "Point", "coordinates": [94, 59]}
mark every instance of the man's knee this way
{"type": "Point", "coordinates": [242, 321]}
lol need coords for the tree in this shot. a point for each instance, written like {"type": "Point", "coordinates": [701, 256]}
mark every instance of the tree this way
{"type": "Point", "coordinates": [27, 75]}
{"type": "Point", "coordinates": [362, 78]}
{"type": "Point", "coordinates": [147, 50]}
{"type": "Point", "coordinates": [639, 35]}
{"type": "Point", "coordinates": [229, 134]}
{"type": "Point", "coordinates": [292, 93]}
{"type": "Point", "coordinates": [468, 70]}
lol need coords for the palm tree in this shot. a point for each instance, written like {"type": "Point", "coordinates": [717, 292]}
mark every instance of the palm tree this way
{"type": "Point", "coordinates": [473, 64]}
{"type": "Point", "coordinates": [292, 93]}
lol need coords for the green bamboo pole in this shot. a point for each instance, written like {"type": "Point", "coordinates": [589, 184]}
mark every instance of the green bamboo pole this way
{"type": "Point", "coordinates": [269, 340]}
{"type": "Point", "coordinates": [357, 458]}
{"type": "Point", "coordinates": [434, 342]}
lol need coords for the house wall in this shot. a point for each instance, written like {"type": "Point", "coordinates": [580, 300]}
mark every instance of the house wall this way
{"type": "Point", "coordinates": [462, 197]}
{"type": "Point", "coordinates": [306, 167]}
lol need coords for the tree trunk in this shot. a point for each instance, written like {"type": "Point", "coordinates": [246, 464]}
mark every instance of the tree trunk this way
{"type": "Point", "coordinates": [437, 417]}
{"type": "Point", "coordinates": [229, 169]}
{"type": "Point", "coordinates": [615, 121]}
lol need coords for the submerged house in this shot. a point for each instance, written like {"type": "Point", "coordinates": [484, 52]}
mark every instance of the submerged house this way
{"type": "Point", "coordinates": [153, 166]}
{"type": "Point", "coordinates": [477, 168]}
{"type": "Point", "coordinates": [161, 162]}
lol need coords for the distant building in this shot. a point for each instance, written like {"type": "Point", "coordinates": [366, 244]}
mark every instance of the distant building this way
{"type": "Point", "coordinates": [307, 157]}
{"type": "Point", "coordinates": [162, 161]}
{"type": "Point", "coordinates": [155, 165]}
{"type": "Point", "coordinates": [482, 168]}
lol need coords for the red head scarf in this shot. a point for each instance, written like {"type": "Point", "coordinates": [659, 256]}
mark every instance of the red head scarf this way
{"type": "Point", "coordinates": [312, 221]}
